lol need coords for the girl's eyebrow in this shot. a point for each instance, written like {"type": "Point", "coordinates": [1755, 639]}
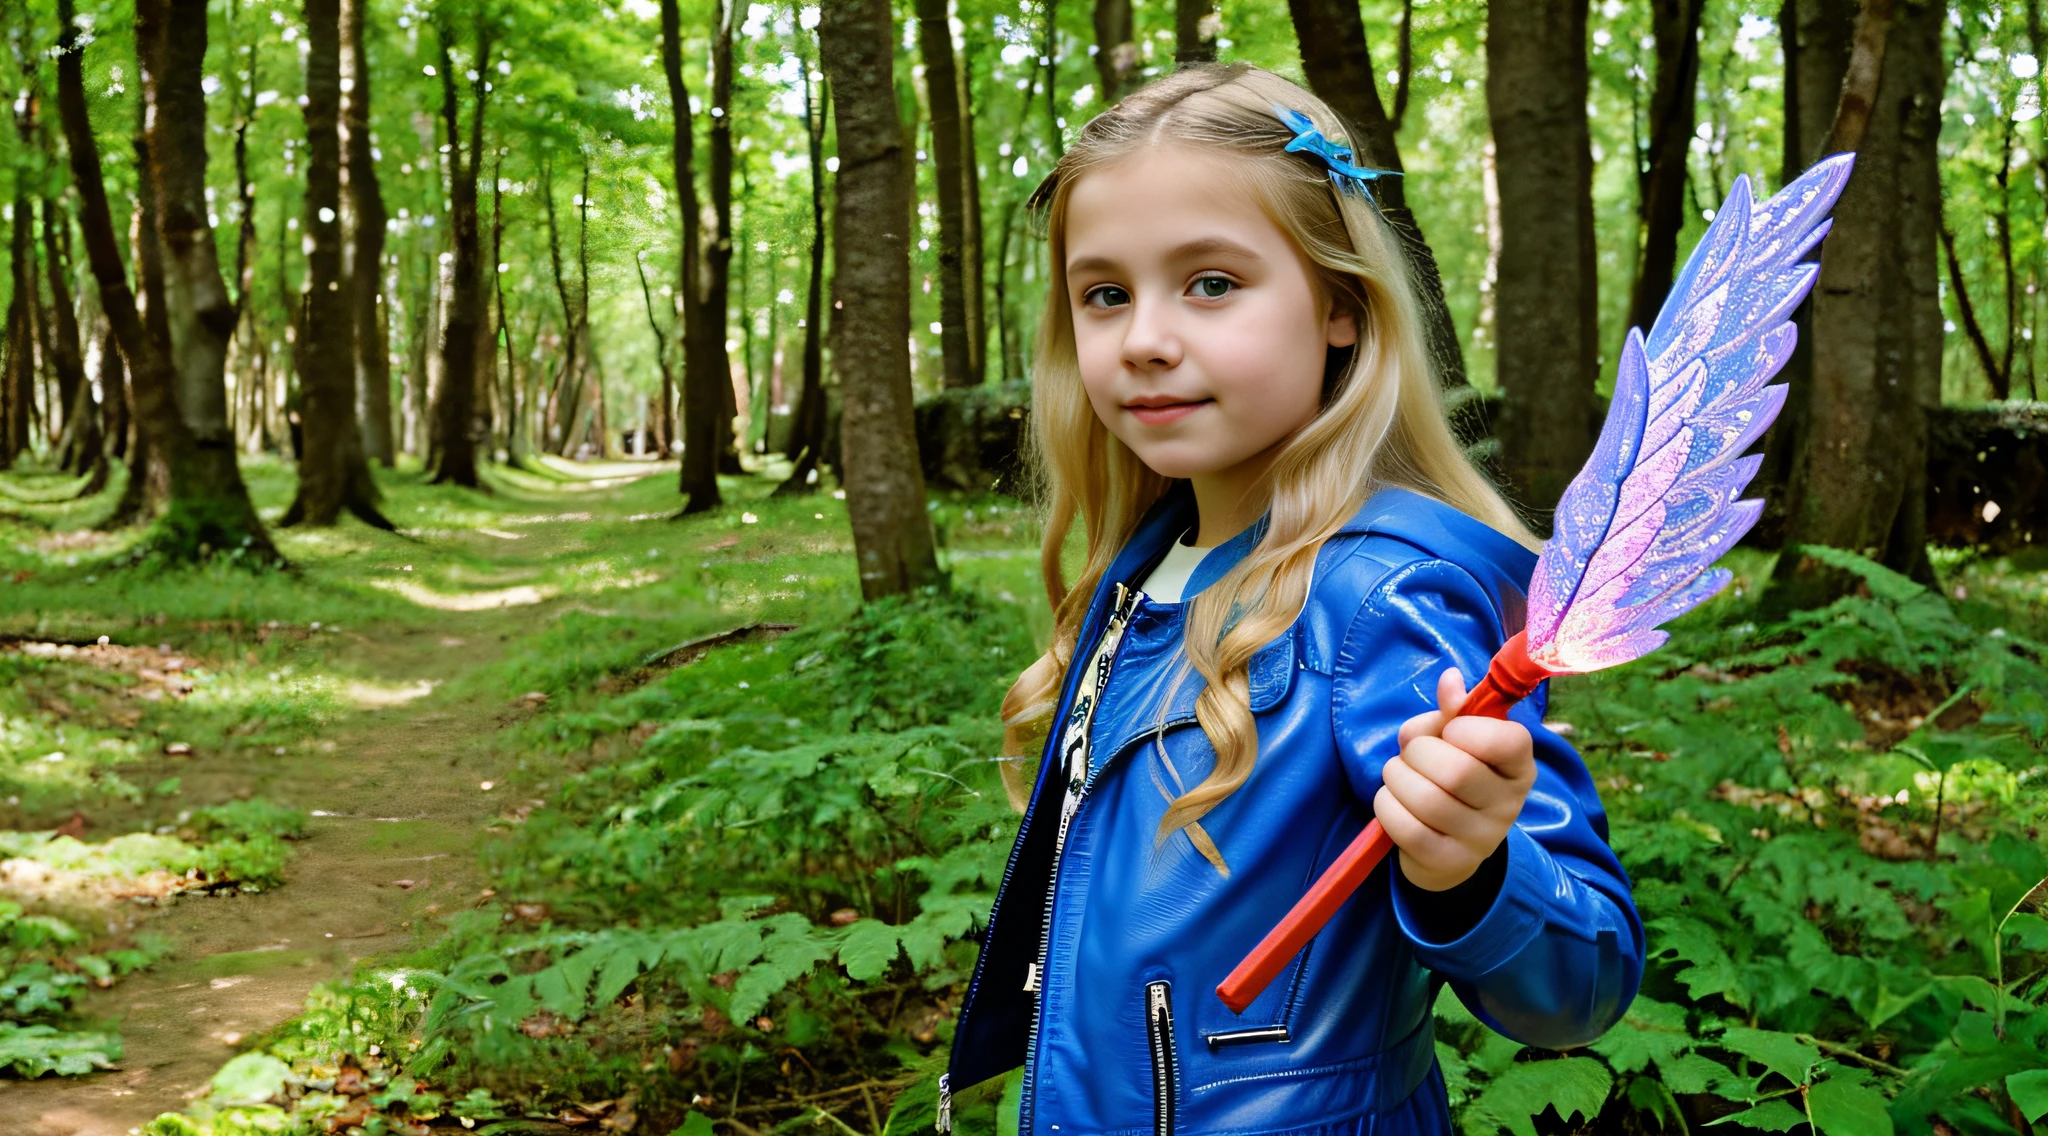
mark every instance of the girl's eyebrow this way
{"type": "Point", "coordinates": [1189, 250]}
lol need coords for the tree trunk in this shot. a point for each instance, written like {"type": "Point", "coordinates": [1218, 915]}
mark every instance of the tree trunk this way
{"type": "Point", "coordinates": [698, 478]}
{"type": "Point", "coordinates": [807, 427]}
{"type": "Point", "coordinates": [661, 425]}
{"type": "Point", "coordinates": [885, 497]}
{"type": "Point", "coordinates": [334, 474]}
{"type": "Point", "coordinates": [456, 414]}
{"type": "Point", "coordinates": [935, 43]}
{"type": "Point", "coordinates": [971, 252]}
{"type": "Point", "coordinates": [1116, 50]}
{"type": "Point", "coordinates": [1545, 298]}
{"type": "Point", "coordinates": [209, 509]}
{"type": "Point", "coordinates": [1660, 188]}
{"type": "Point", "coordinates": [1817, 37]}
{"type": "Point", "coordinates": [718, 258]}
{"type": "Point", "coordinates": [1859, 481]}
{"type": "Point", "coordinates": [364, 210]}
{"type": "Point", "coordinates": [20, 393]}
{"type": "Point", "coordinates": [1195, 24]}
{"type": "Point", "coordinates": [66, 358]}
{"type": "Point", "coordinates": [568, 385]}
{"type": "Point", "coordinates": [1335, 59]}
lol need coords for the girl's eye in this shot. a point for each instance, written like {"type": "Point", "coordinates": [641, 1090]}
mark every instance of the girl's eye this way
{"type": "Point", "coordinates": [1213, 287]}
{"type": "Point", "coordinates": [1106, 296]}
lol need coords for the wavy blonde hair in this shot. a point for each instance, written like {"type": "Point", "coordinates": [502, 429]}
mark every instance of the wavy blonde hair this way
{"type": "Point", "coordinates": [1382, 421]}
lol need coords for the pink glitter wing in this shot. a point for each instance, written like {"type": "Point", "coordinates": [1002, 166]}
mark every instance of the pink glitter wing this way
{"type": "Point", "coordinates": [1658, 500]}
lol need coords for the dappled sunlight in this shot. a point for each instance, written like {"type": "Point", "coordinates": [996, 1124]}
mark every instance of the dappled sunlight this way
{"type": "Point", "coordinates": [366, 695]}
{"type": "Point", "coordinates": [518, 596]}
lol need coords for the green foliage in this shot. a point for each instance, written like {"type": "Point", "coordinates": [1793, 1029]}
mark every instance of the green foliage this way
{"type": "Point", "coordinates": [31, 1051]}
{"type": "Point", "coordinates": [1827, 950]}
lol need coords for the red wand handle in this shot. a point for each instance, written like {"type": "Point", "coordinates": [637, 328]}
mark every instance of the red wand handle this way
{"type": "Point", "coordinates": [1510, 678]}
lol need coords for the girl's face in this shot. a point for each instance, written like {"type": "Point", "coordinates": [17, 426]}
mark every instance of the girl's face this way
{"type": "Point", "coordinates": [1200, 332]}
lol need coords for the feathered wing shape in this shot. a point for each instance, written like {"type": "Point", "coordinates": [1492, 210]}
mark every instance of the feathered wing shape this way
{"type": "Point", "coordinates": [1659, 499]}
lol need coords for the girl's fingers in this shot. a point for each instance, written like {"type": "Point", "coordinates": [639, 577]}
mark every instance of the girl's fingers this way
{"type": "Point", "coordinates": [1450, 692]}
{"type": "Point", "coordinates": [1502, 744]}
{"type": "Point", "coordinates": [1435, 807]}
{"type": "Point", "coordinates": [1410, 835]}
{"type": "Point", "coordinates": [1465, 777]}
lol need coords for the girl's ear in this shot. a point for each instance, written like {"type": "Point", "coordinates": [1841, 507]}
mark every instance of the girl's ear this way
{"type": "Point", "coordinates": [1342, 325]}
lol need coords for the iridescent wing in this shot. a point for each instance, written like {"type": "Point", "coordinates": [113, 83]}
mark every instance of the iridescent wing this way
{"type": "Point", "coordinates": [1658, 501]}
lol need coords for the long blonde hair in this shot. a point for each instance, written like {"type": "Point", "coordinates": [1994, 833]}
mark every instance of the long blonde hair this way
{"type": "Point", "coordinates": [1382, 420]}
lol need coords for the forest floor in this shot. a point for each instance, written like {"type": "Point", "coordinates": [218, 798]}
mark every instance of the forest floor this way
{"type": "Point", "coordinates": [552, 814]}
{"type": "Point", "coordinates": [366, 694]}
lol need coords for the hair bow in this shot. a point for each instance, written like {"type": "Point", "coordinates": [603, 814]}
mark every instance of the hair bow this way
{"type": "Point", "coordinates": [1335, 159]}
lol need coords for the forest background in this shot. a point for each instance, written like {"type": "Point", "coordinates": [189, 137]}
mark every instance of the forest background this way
{"type": "Point", "coordinates": [468, 273]}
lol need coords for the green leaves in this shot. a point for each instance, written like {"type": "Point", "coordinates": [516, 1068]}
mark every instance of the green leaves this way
{"type": "Point", "coordinates": [31, 1051]}
{"type": "Point", "coordinates": [1574, 1086]}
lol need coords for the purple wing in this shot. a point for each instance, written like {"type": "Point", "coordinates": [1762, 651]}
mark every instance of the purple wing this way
{"type": "Point", "coordinates": [1659, 500]}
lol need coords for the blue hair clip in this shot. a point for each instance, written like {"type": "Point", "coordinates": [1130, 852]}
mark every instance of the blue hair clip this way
{"type": "Point", "coordinates": [1335, 159]}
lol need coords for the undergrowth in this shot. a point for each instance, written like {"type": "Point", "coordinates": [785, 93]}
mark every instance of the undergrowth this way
{"type": "Point", "coordinates": [753, 890]}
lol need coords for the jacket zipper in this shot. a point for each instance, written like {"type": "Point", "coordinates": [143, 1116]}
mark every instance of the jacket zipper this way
{"type": "Point", "coordinates": [1079, 721]}
{"type": "Point", "coordinates": [1165, 1062]}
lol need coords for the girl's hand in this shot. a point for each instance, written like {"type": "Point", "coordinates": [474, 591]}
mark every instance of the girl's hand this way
{"type": "Point", "coordinates": [1448, 799]}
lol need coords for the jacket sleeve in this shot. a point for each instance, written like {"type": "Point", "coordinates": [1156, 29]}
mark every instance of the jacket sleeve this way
{"type": "Point", "coordinates": [1555, 957]}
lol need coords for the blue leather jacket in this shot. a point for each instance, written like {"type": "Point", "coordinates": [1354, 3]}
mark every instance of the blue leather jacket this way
{"type": "Point", "coordinates": [1101, 958]}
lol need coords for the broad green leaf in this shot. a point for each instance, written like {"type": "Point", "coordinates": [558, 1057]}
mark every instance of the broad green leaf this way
{"type": "Point", "coordinates": [1652, 1031]}
{"type": "Point", "coordinates": [694, 1124]}
{"type": "Point", "coordinates": [252, 1078]}
{"type": "Point", "coordinates": [1010, 1110]}
{"type": "Point", "coordinates": [1841, 1107]}
{"type": "Point", "coordinates": [868, 949]}
{"type": "Point", "coordinates": [2029, 1091]}
{"type": "Point", "coordinates": [1771, 1116]}
{"type": "Point", "coordinates": [1574, 1086]}
{"type": "Point", "coordinates": [1781, 1053]}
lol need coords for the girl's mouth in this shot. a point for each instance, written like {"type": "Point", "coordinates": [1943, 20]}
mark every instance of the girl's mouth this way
{"type": "Point", "coordinates": [1163, 413]}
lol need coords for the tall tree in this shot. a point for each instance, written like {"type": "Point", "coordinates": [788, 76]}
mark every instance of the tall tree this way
{"type": "Point", "coordinates": [456, 414]}
{"type": "Point", "coordinates": [807, 429]}
{"type": "Point", "coordinates": [718, 257]}
{"type": "Point", "coordinates": [1817, 38]}
{"type": "Point", "coordinates": [885, 498]}
{"type": "Point", "coordinates": [662, 425]}
{"type": "Point", "coordinates": [1545, 299]}
{"type": "Point", "coordinates": [1660, 181]}
{"type": "Point", "coordinates": [334, 474]}
{"type": "Point", "coordinates": [698, 478]}
{"type": "Point", "coordinates": [1859, 480]}
{"type": "Point", "coordinates": [363, 208]}
{"type": "Point", "coordinates": [1195, 24]}
{"type": "Point", "coordinates": [1116, 50]}
{"type": "Point", "coordinates": [80, 447]}
{"type": "Point", "coordinates": [935, 42]}
{"type": "Point", "coordinates": [1338, 65]}
{"type": "Point", "coordinates": [18, 396]}
{"type": "Point", "coordinates": [971, 250]}
{"type": "Point", "coordinates": [568, 385]}
{"type": "Point", "coordinates": [208, 506]}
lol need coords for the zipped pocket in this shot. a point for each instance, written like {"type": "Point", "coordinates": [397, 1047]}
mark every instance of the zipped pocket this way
{"type": "Point", "coordinates": [1165, 1063]}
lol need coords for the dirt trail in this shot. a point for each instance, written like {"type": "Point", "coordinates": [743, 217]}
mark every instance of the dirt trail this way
{"type": "Point", "coordinates": [400, 792]}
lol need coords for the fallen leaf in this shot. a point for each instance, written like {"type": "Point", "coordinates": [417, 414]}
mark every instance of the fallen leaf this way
{"type": "Point", "coordinates": [845, 916]}
{"type": "Point", "coordinates": [349, 1082]}
{"type": "Point", "coordinates": [178, 749]}
{"type": "Point", "coordinates": [408, 885]}
{"type": "Point", "coordinates": [531, 912]}
{"type": "Point", "coordinates": [355, 1112]}
{"type": "Point", "coordinates": [74, 828]}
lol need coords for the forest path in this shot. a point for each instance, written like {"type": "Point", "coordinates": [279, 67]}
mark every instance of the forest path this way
{"type": "Point", "coordinates": [398, 808]}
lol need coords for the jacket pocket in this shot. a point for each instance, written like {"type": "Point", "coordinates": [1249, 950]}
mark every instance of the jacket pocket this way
{"type": "Point", "coordinates": [1165, 1063]}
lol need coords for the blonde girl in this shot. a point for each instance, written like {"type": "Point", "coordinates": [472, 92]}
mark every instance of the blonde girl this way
{"type": "Point", "coordinates": [1290, 566]}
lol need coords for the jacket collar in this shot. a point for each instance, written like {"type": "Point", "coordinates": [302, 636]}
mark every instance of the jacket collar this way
{"type": "Point", "coordinates": [1430, 525]}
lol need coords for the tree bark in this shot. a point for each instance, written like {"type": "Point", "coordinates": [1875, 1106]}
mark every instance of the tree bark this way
{"type": "Point", "coordinates": [568, 385]}
{"type": "Point", "coordinates": [971, 251]}
{"type": "Point", "coordinates": [1545, 298]}
{"type": "Point", "coordinates": [885, 497]}
{"type": "Point", "coordinates": [1338, 65]}
{"type": "Point", "coordinates": [1859, 481]}
{"type": "Point", "coordinates": [456, 414]}
{"type": "Point", "coordinates": [697, 480]}
{"type": "Point", "coordinates": [79, 447]}
{"type": "Point", "coordinates": [364, 209]}
{"type": "Point", "coordinates": [208, 506]}
{"type": "Point", "coordinates": [334, 474]}
{"type": "Point", "coordinates": [935, 43]}
{"type": "Point", "coordinates": [662, 426]}
{"type": "Point", "coordinates": [20, 390]}
{"type": "Point", "coordinates": [718, 257]}
{"type": "Point", "coordinates": [1195, 24]}
{"type": "Point", "coordinates": [1660, 186]}
{"type": "Point", "coordinates": [807, 430]}
{"type": "Point", "coordinates": [1116, 49]}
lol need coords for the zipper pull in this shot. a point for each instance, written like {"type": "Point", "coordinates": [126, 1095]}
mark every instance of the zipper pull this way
{"type": "Point", "coordinates": [945, 1123]}
{"type": "Point", "coordinates": [1031, 976]}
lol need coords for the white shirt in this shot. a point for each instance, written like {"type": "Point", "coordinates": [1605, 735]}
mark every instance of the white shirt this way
{"type": "Point", "coordinates": [1170, 578]}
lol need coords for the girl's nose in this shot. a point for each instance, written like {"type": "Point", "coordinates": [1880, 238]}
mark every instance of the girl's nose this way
{"type": "Point", "coordinates": [1151, 341]}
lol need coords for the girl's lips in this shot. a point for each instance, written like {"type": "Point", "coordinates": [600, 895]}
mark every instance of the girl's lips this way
{"type": "Point", "coordinates": [1161, 415]}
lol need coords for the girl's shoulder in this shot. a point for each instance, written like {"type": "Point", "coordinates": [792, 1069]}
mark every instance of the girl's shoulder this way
{"type": "Point", "coordinates": [1401, 540]}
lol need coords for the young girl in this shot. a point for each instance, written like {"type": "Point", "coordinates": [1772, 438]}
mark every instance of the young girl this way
{"type": "Point", "coordinates": [1291, 565]}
